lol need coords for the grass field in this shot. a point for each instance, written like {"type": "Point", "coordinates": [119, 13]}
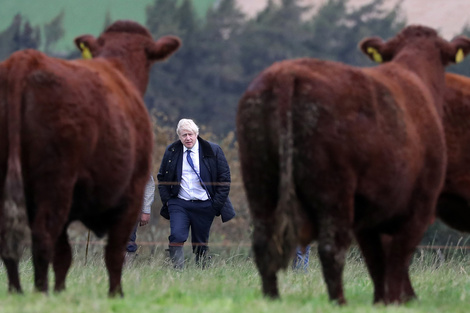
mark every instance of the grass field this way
{"type": "Point", "coordinates": [232, 284]}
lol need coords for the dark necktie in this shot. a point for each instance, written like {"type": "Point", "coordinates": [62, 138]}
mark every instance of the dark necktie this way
{"type": "Point", "coordinates": [190, 161]}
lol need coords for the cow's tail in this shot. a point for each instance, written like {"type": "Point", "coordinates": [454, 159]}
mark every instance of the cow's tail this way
{"type": "Point", "coordinates": [14, 224]}
{"type": "Point", "coordinates": [287, 223]}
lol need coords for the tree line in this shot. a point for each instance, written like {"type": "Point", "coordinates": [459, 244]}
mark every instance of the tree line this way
{"type": "Point", "coordinates": [224, 51]}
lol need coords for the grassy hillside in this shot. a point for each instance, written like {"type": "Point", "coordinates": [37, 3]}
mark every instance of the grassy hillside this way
{"type": "Point", "coordinates": [82, 16]}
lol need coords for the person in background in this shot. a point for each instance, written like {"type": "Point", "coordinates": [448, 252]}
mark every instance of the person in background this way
{"type": "Point", "coordinates": [194, 183]}
{"type": "Point", "coordinates": [301, 258]}
{"type": "Point", "coordinates": [149, 195]}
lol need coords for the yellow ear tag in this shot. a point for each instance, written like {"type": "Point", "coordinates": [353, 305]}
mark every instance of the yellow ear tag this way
{"type": "Point", "coordinates": [375, 54]}
{"type": "Point", "coordinates": [459, 56]}
{"type": "Point", "coordinates": [86, 54]}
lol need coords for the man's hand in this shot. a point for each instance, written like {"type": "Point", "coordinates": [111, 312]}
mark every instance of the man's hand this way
{"type": "Point", "coordinates": [144, 219]}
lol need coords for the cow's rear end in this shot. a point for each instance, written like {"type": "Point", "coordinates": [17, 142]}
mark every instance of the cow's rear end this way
{"type": "Point", "coordinates": [270, 191]}
{"type": "Point", "coordinates": [329, 151]}
{"type": "Point", "coordinates": [13, 221]}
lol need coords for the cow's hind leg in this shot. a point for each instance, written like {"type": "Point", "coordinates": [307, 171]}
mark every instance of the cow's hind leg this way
{"type": "Point", "coordinates": [372, 248]}
{"type": "Point", "coordinates": [12, 234]}
{"type": "Point", "coordinates": [334, 238]}
{"type": "Point", "coordinates": [402, 246]}
{"type": "Point", "coordinates": [11, 263]}
{"type": "Point", "coordinates": [267, 266]}
{"type": "Point", "coordinates": [114, 258]}
{"type": "Point", "coordinates": [14, 285]}
{"type": "Point", "coordinates": [404, 241]}
{"type": "Point", "coordinates": [62, 260]}
{"type": "Point", "coordinates": [407, 292]}
{"type": "Point", "coordinates": [42, 244]}
{"type": "Point", "coordinates": [274, 240]}
{"type": "Point", "coordinates": [43, 248]}
{"type": "Point", "coordinates": [118, 237]}
{"type": "Point", "coordinates": [52, 209]}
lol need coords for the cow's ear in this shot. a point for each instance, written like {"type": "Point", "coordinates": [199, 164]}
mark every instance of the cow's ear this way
{"type": "Point", "coordinates": [87, 45]}
{"type": "Point", "coordinates": [373, 48]}
{"type": "Point", "coordinates": [163, 48]}
{"type": "Point", "coordinates": [460, 48]}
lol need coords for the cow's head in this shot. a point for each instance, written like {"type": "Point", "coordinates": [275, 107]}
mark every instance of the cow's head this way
{"type": "Point", "coordinates": [132, 46]}
{"type": "Point", "coordinates": [413, 41]}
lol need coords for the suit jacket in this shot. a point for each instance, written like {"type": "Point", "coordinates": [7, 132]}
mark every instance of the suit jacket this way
{"type": "Point", "coordinates": [214, 172]}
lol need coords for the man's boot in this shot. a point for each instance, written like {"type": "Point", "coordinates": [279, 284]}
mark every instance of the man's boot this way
{"type": "Point", "coordinates": [177, 256]}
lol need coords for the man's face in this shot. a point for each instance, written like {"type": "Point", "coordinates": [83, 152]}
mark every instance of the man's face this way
{"type": "Point", "coordinates": [188, 138]}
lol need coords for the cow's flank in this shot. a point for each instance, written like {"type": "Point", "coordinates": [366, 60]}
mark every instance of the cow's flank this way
{"type": "Point", "coordinates": [453, 205]}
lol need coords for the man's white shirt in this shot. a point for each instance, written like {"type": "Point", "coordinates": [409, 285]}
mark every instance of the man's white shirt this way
{"type": "Point", "coordinates": [191, 188]}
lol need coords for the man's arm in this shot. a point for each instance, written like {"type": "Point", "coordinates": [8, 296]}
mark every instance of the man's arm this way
{"type": "Point", "coordinates": [163, 188]}
{"type": "Point", "coordinates": [149, 195]}
{"type": "Point", "coordinates": [222, 188]}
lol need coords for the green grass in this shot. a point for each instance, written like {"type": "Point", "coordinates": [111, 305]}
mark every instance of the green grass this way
{"type": "Point", "coordinates": [232, 284]}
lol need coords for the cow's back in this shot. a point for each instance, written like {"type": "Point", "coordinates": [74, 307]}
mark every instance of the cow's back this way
{"type": "Point", "coordinates": [349, 126]}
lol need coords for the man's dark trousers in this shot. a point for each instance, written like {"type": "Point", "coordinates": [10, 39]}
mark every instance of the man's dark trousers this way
{"type": "Point", "coordinates": [198, 215]}
{"type": "Point", "coordinates": [131, 245]}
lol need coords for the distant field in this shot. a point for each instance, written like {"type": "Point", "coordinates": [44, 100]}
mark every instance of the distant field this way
{"type": "Point", "coordinates": [81, 17]}
{"type": "Point", "coordinates": [232, 284]}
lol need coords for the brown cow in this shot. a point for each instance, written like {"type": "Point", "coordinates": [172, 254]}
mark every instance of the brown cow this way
{"type": "Point", "coordinates": [76, 145]}
{"type": "Point", "coordinates": [453, 204]}
{"type": "Point", "coordinates": [329, 150]}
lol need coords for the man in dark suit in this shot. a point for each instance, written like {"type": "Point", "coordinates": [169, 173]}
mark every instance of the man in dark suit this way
{"type": "Point", "coordinates": [194, 183]}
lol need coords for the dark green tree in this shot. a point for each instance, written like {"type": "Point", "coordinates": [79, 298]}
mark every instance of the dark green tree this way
{"type": "Point", "coordinates": [19, 35]}
{"type": "Point", "coordinates": [161, 18]}
{"type": "Point", "coordinates": [221, 79]}
{"type": "Point", "coordinates": [221, 55]}
{"type": "Point", "coordinates": [276, 33]}
{"type": "Point", "coordinates": [54, 31]}
{"type": "Point", "coordinates": [107, 20]}
{"type": "Point", "coordinates": [202, 80]}
{"type": "Point", "coordinates": [369, 20]}
{"type": "Point", "coordinates": [337, 29]}
{"type": "Point", "coordinates": [326, 29]}
{"type": "Point", "coordinates": [188, 23]}
{"type": "Point", "coordinates": [170, 84]}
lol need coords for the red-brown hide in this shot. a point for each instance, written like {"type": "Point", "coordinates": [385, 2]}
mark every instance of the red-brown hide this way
{"type": "Point", "coordinates": [329, 151]}
{"type": "Point", "coordinates": [453, 205]}
{"type": "Point", "coordinates": [75, 145]}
